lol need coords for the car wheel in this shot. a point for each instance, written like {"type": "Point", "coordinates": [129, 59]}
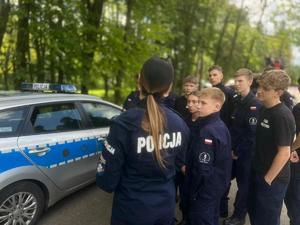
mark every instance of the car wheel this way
{"type": "Point", "coordinates": [21, 203]}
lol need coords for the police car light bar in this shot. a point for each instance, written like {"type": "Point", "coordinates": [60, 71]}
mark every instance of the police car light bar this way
{"type": "Point", "coordinates": [48, 87]}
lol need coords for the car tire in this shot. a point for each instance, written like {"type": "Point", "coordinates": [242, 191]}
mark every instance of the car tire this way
{"type": "Point", "coordinates": [22, 202]}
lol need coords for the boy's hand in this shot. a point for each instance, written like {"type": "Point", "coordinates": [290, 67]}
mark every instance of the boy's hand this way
{"type": "Point", "coordinates": [183, 169]}
{"type": "Point", "coordinates": [268, 180]}
{"type": "Point", "coordinates": [234, 157]}
{"type": "Point", "coordinates": [294, 157]}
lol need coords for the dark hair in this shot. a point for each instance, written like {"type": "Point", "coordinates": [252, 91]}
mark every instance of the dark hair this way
{"type": "Point", "coordinates": [215, 67]}
{"type": "Point", "coordinates": [298, 81]}
{"type": "Point", "coordinates": [156, 77]}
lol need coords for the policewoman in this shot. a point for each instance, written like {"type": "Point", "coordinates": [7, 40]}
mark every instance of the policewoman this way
{"type": "Point", "coordinates": [143, 150]}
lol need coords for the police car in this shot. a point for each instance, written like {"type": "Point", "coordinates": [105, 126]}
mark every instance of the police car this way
{"type": "Point", "coordinates": [49, 145]}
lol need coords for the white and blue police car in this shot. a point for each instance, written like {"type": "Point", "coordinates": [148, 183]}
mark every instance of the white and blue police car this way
{"type": "Point", "coordinates": [49, 147]}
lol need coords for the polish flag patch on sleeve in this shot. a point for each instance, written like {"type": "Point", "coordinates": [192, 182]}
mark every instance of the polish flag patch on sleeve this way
{"type": "Point", "coordinates": [208, 141]}
{"type": "Point", "coordinates": [252, 108]}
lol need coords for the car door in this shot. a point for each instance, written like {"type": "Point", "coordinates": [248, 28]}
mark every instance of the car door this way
{"type": "Point", "coordinates": [11, 121]}
{"type": "Point", "coordinates": [100, 115]}
{"type": "Point", "coordinates": [58, 142]}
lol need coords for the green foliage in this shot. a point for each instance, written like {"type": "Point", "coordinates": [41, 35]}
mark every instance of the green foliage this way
{"type": "Point", "coordinates": [103, 48]}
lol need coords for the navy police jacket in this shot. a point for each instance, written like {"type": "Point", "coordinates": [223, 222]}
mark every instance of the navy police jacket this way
{"type": "Point", "coordinates": [143, 190]}
{"type": "Point", "coordinates": [209, 159]}
{"type": "Point", "coordinates": [243, 125]}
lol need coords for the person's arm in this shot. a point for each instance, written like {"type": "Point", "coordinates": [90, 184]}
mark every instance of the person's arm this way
{"type": "Point", "coordinates": [111, 160]}
{"type": "Point", "coordinates": [281, 158]}
{"type": "Point", "coordinates": [296, 143]}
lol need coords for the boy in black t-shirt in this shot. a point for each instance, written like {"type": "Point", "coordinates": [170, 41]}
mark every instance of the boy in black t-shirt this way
{"type": "Point", "coordinates": [292, 197]}
{"type": "Point", "coordinates": [274, 135]}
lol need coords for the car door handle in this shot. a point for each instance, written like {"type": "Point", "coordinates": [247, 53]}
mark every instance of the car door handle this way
{"type": "Point", "coordinates": [102, 137]}
{"type": "Point", "coordinates": [40, 151]}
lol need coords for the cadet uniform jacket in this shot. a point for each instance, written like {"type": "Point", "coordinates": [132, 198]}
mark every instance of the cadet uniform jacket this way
{"type": "Point", "coordinates": [243, 125]}
{"type": "Point", "coordinates": [209, 159]}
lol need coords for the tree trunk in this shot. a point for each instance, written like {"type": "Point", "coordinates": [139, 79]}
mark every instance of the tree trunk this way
{"type": "Point", "coordinates": [258, 27]}
{"type": "Point", "coordinates": [4, 14]}
{"type": "Point", "coordinates": [6, 68]}
{"type": "Point", "coordinates": [22, 44]}
{"type": "Point", "coordinates": [220, 41]}
{"type": "Point", "coordinates": [121, 72]}
{"type": "Point", "coordinates": [235, 36]}
{"type": "Point", "coordinates": [94, 12]}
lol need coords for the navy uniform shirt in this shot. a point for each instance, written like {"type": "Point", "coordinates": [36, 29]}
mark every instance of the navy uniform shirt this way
{"type": "Point", "coordinates": [227, 107]}
{"type": "Point", "coordinates": [143, 190]}
{"type": "Point", "coordinates": [287, 99]}
{"type": "Point", "coordinates": [243, 125]}
{"type": "Point", "coordinates": [209, 160]}
{"type": "Point", "coordinates": [295, 167]}
{"type": "Point", "coordinates": [133, 100]}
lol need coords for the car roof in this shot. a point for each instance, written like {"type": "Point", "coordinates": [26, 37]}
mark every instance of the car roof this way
{"type": "Point", "coordinates": [10, 100]}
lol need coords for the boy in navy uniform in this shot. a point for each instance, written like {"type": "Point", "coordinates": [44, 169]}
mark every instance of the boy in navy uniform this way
{"type": "Point", "coordinates": [274, 135]}
{"type": "Point", "coordinates": [243, 134]}
{"type": "Point", "coordinates": [215, 75]}
{"type": "Point", "coordinates": [144, 148]}
{"type": "Point", "coordinates": [292, 197]}
{"type": "Point", "coordinates": [208, 166]}
{"type": "Point", "coordinates": [190, 84]}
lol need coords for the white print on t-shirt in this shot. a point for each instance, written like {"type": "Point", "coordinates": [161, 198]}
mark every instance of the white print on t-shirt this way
{"type": "Point", "coordinates": [265, 124]}
{"type": "Point", "coordinates": [165, 141]}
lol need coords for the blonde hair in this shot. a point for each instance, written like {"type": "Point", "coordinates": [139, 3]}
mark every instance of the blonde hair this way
{"type": "Point", "coordinates": [274, 79]}
{"type": "Point", "coordinates": [213, 93]}
{"type": "Point", "coordinates": [244, 72]}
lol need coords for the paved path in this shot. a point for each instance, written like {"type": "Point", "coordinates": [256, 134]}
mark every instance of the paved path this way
{"type": "Point", "coordinates": [91, 206]}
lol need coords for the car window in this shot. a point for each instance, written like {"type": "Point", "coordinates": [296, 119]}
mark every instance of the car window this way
{"type": "Point", "coordinates": [100, 114]}
{"type": "Point", "coordinates": [53, 118]}
{"type": "Point", "coordinates": [10, 121]}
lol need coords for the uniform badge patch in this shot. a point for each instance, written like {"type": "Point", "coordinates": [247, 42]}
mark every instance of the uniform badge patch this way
{"type": "Point", "coordinates": [109, 147]}
{"type": "Point", "coordinates": [208, 141]}
{"type": "Point", "coordinates": [252, 121]}
{"type": "Point", "coordinates": [204, 157]}
{"type": "Point", "coordinates": [252, 108]}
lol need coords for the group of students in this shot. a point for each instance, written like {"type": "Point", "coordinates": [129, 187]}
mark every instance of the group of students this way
{"type": "Point", "coordinates": [201, 141]}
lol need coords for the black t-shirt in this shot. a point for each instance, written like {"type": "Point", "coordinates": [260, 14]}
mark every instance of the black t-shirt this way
{"type": "Point", "coordinates": [181, 107]}
{"type": "Point", "coordinates": [276, 127]}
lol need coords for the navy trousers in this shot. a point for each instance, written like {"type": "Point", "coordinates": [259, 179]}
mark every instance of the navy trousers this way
{"type": "Point", "coordinates": [292, 200]}
{"type": "Point", "coordinates": [242, 175]}
{"type": "Point", "coordinates": [203, 212]}
{"type": "Point", "coordinates": [265, 201]}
